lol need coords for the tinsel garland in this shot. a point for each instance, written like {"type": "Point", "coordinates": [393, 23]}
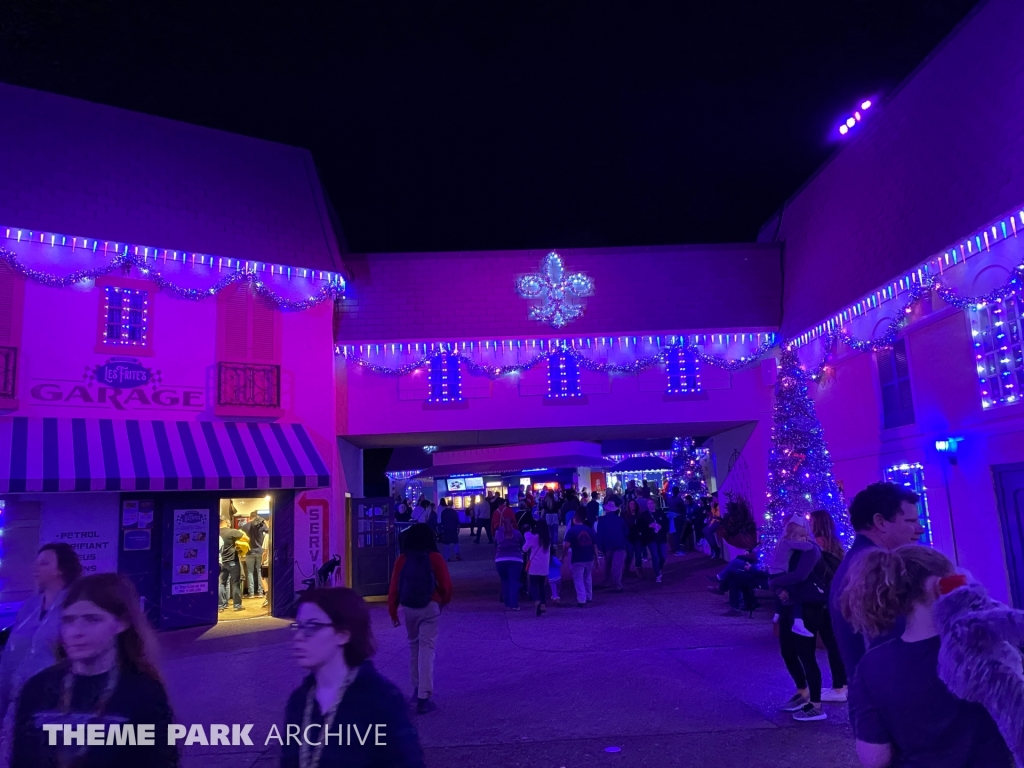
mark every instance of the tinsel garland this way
{"type": "Point", "coordinates": [126, 260]}
{"type": "Point", "coordinates": [496, 371]}
{"type": "Point", "coordinates": [893, 330]}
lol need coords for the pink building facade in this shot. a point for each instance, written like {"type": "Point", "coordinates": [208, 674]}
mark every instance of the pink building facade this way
{"type": "Point", "coordinates": [922, 205]}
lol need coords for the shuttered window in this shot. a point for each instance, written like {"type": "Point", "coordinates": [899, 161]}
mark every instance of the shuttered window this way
{"type": "Point", "coordinates": [7, 285]}
{"type": "Point", "coordinates": [248, 326]}
{"type": "Point", "coordinates": [894, 383]}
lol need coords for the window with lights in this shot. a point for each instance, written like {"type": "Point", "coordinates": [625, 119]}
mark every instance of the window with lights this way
{"type": "Point", "coordinates": [445, 380]}
{"type": "Point", "coordinates": [125, 316]}
{"type": "Point", "coordinates": [563, 376]}
{"type": "Point", "coordinates": [998, 330]}
{"type": "Point", "coordinates": [911, 476]}
{"type": "Point", "coordinates": [683, 371]}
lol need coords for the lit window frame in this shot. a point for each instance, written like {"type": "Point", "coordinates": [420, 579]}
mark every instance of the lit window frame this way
{"type": "Point", "coordinates": [997, 332]}
{"type": "Point", "coordinates": [107, 286]}
{"type": "Point", "coordinates": [910, 475]}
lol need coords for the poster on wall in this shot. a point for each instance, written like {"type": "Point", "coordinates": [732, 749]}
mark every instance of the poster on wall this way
{"type": "Point", "coordinates": [190, 551]}
{"type": "Point", "coordinates": [137, 522]}
{"type": "Point", "coordinates": [88, 526]}
{"type": "Point", "coordinates": [598, 481]}
{"type": "Point", "coordinates": [312, 534]}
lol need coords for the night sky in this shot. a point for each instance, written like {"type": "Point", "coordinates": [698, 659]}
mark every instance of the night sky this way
{"type": "Point", "coordinates": [488, 124]}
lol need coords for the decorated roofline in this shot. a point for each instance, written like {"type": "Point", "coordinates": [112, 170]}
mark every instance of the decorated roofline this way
{"type": "Point", "coordinates": [927, 276]}
{"type": "Point", "coordinates": [273, 281]}
{"type": "Point", "coordinates": [649, 350]}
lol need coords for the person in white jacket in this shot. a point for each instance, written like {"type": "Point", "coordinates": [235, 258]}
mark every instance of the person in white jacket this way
{"type": "Point", "coordinates": [538, 555]}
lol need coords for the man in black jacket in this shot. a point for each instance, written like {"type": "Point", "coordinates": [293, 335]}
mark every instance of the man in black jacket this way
{"type": "Point", "coordinates": [256, 530]}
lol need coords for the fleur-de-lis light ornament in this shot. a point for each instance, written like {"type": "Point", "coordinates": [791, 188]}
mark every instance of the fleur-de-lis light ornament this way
{"type": "Point", "coordinates": [556, 288]}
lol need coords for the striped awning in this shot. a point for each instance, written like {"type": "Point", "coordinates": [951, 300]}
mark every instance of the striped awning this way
{"type": "Point", "coordinates": [61, 454]}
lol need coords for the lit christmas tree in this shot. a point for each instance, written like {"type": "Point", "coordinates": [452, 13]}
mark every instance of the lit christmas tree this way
{"type": "Point", "coordinates": [687, 471]}
{"type": "Point", "coordinates": [800, 478]}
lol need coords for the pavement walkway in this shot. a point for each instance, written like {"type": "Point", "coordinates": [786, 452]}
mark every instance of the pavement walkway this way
{"type": "Point", "coordinates": [659, 672]}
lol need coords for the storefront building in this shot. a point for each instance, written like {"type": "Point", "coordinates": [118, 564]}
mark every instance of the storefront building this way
{"type": "Point", "coordinates": [147, 391]}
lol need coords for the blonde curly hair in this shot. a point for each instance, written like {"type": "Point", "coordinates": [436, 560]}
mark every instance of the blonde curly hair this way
{"type": "Point", "coordinates": [884, 585]}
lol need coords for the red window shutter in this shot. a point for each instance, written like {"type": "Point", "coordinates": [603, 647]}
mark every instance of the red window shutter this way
{"type": "Point", "coordinates": [262, 344]}
{"type": "Point", "coordinates": [236, 322]}
{"type": "Point", "coordinates": [7, 278]}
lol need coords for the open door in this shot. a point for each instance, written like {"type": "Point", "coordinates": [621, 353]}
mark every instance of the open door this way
{"type": "Point", "coordinates": [1010, 498]}
{"type": "Point", "coordinates": [373, 549]}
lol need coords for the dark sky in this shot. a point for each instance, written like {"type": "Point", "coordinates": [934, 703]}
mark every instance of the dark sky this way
{"type": "Point", "coordinates": [491, 124]}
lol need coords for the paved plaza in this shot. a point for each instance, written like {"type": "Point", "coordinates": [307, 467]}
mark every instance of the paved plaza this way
{"type": "Point", "coordinates": [659, 672]}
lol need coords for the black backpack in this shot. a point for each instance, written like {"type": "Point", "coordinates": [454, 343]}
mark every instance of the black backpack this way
{"type": "Point", "coordinates": [416, 582]}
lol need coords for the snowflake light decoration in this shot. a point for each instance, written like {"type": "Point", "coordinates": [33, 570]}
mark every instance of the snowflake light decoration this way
{"type": "Point", "coordinates": [557, 289]}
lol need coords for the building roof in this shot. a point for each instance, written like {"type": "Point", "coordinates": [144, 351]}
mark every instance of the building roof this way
{"type": "Point", "coordinates": [84, 169]}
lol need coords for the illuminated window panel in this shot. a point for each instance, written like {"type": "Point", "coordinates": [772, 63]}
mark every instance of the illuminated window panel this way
{"type": "Point", "coordinates": [683, 371]}
{"type": "Point", "coordinates": [125, 316]}
{"type": "Point", "coordinates": [912, 476]}
{"type": "Point", "coordinates": [445, 379]}
{"type": "Point", "coordinates": [998, 330]}
{"type": "Point", "coordinates": [563, 376]}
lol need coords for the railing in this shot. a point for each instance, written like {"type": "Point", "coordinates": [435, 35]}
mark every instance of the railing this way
{"type": "Point", "coordinates": [8, 371]}
{"type": "Point", "coordinates": [249, 384]}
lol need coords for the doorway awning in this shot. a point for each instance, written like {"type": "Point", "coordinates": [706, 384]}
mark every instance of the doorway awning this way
{"type": "Point", "coordinates": [70, 454]}
{"type": "Point", "coordinates": [510, 466]}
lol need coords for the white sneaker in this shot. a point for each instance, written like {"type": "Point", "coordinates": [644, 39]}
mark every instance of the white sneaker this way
{"type": "Point", "coordinates": [800, 629]}
{"type": "Point", "coordinates": [833, 696]}
{"type": "Point", "coordinates": [775, 619]}
{"type": "Point", "coordinates": [658, 580]}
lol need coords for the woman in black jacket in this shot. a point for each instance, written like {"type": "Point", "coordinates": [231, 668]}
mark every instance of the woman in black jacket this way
{"type": "Point", "coordinates": [344, 698]}
{"type": "Point", "coordinates": [105, 677]}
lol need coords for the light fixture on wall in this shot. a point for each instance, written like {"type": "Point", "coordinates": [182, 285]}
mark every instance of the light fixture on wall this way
{"type": "Point", "coordinates": [948, 447]}
{"type": "Point", "coordinates": [857, 116]}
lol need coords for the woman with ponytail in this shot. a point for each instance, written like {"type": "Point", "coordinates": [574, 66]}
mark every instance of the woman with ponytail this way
{"type": "Point", "coordinates": [901, 712]}
{"type": "Point", "coordinates": [105, 675]}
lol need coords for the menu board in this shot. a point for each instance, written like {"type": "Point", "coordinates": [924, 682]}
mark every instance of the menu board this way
{"type": "Point", "coordinates": [190, 551]}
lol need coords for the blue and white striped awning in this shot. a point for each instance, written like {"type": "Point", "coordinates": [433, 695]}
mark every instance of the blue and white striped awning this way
{"type": "Point", "coordinates": [61, 454]}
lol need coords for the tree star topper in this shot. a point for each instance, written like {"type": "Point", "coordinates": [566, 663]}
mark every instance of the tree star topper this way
{"type": "Point", "coordinates": [557, 289]}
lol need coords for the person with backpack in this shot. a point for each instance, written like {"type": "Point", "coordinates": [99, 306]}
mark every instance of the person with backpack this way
{"type": "Point", "coordinates": [823, 528]}
{"type": "Point", "coordinates": [420, 587]}
{"type": "Point", "coordinates": [579, 542]}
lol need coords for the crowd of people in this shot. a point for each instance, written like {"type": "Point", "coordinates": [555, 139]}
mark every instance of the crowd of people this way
{"type": "Point", "coordinates": [902, 628]}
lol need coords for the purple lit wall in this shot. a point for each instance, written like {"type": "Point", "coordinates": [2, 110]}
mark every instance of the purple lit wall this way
{"type": "Point", "coordinates": [87, 170]}
{"type": "Point", "coordinates": [447, 296]}
{"type": "Point", "coordinates": [935, 161]}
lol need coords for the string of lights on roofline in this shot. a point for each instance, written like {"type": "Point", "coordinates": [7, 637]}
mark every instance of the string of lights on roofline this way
{"type": "Point", "coordinates": [124, 256]}
{"type": "Point", "coordinates": [927, 276]}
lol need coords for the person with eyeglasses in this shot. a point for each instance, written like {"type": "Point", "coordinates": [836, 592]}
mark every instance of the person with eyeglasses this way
{"type": "Point", "coordinates": [343, 693]}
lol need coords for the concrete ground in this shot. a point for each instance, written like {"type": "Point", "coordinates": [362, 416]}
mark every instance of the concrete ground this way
{"type": "Point", "coordinates": [659, 673]}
